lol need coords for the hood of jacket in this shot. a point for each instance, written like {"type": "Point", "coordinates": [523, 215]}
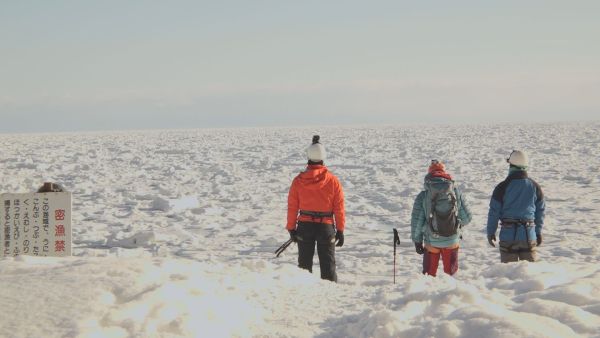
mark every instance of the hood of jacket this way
{"type": "Point", "coordinates": [315, 176]}
{"type": "Point", "coordinates": [438, 173]}
{"type": "Point", "coordinates": [438, 176]}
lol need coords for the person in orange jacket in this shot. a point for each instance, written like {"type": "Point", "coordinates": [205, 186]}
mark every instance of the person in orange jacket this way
{"type": "Point", "coordinates": [316, 213]}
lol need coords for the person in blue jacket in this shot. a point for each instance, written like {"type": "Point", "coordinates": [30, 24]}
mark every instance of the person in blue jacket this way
{"type": "Point", "coordinates": [518, 204]}
{"type": "Point", "coordinates": [438, 214]}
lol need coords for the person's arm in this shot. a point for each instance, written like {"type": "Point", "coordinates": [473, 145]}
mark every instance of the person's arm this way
{"type": "Point", "coordinates": [339, 210]}
{"type": "Point", "coordinates": [540, 209]}
{"type": "Point", "coordinates": [293, 207]}
{"type": "Point", "coordinates": [494, 211]}
{"type": "Point", "coordinates": [464, 212]}
{"type": "Point", "coordinates": [417, 220]}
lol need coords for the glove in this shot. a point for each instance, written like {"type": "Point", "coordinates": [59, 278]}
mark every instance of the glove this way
{"type": "Point", "coordinates": [339, 238]}
{"type": "Point", "coordinates": [293, 235]}
{"type": "Point", "coordinates": [491, 240]}
{"type": "Point", "coordinates": [419, 248]}
{"type": "Point", "coordinates": [538, 239]}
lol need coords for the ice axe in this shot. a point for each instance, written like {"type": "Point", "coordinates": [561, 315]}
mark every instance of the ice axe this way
{"type": "Point", "coordinates": [283, 247]}
{"type": "Point", "coordinates": [396, 242]}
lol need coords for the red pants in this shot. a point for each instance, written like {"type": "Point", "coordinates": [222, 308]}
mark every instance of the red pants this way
{"type": "Point", "coordinates": [431, 261]}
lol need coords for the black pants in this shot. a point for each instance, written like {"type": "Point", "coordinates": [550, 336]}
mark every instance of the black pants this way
{"type": "Point", "coordinates": [324, 236]}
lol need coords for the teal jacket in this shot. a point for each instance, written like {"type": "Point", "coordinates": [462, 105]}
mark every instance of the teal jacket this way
{"type": "Point", "coordinates": [420, 229]}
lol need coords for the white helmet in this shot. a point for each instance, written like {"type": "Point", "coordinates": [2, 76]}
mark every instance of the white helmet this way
{"type": "Point", "coordinates": [518, 159]}
{"type": "Point", "coordinates": [316, 152]}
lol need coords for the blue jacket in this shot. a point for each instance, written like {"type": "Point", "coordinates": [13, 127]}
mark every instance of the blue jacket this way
{"type": "Point", "coordinates": [420, 229]}
{"type": "Point", "coordinates": [518, 197]}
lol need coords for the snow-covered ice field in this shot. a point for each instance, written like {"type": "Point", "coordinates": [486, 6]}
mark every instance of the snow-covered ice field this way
{"type": "Point", "coordinates": [174, 233]}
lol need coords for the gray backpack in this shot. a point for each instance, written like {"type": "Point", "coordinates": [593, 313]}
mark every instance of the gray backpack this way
{"type": "Point", "coordinates": [443, 213]}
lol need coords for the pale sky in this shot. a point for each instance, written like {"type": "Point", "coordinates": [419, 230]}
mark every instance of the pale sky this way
{"type": "Point", "coordinates": [98, 65]}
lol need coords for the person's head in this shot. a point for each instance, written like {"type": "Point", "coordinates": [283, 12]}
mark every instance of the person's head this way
{"type": "Point", "coordinates": [436, 166]}
{"type": "Point", "coordinates": [518, 159]}
{"type": "Point", "coordinates": [315, 153]}
{"type": "Point", "coordinates": [51, 187]}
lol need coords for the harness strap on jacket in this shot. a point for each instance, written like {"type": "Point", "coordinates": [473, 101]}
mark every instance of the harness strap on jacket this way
{"type": "Point", "coordinates": [316, 214]}
{"type": "Point", "coordinates": [508, 222]}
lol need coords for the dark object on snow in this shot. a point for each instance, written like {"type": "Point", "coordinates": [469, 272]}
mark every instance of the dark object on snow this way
{"type": "Point", "coordinates": [396, 242]}
{"type": "Point", "coordinates": [538, 239]}
{"type": "Point", "coordinates": [51, 187]}
{"type": "Point", "coordinates": [283, 247]}
{"type": "Point", "coordinates": [315, 139]}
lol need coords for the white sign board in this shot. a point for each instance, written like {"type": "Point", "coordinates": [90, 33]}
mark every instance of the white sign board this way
{"type": "Point", "coordinates": [36, 224]}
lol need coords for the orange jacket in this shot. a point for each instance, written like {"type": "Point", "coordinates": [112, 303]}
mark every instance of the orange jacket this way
{"type": "Point", "coordinates": [316, 189]}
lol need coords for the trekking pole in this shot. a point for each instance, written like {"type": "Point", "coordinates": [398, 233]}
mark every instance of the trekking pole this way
{"type": "Point", "coordinates": [283, 247]}
{"type": "Point", "coordinates": [396, 242]}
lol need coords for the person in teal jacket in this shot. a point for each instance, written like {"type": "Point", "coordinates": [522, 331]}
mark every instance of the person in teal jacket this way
{"type": "Point", "coordinates": [518, 204]}
{"type": "Point", "coordinates": [438, 214]}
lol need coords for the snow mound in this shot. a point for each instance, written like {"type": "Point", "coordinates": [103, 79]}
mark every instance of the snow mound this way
{"type": "Point", "coordinates": [138, 240]}
{"type": "Point", "coordinates": [127, 297]}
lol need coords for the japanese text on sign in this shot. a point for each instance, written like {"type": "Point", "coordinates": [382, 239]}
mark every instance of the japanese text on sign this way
{"type": "Point", "coordinates": [37, 224]}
